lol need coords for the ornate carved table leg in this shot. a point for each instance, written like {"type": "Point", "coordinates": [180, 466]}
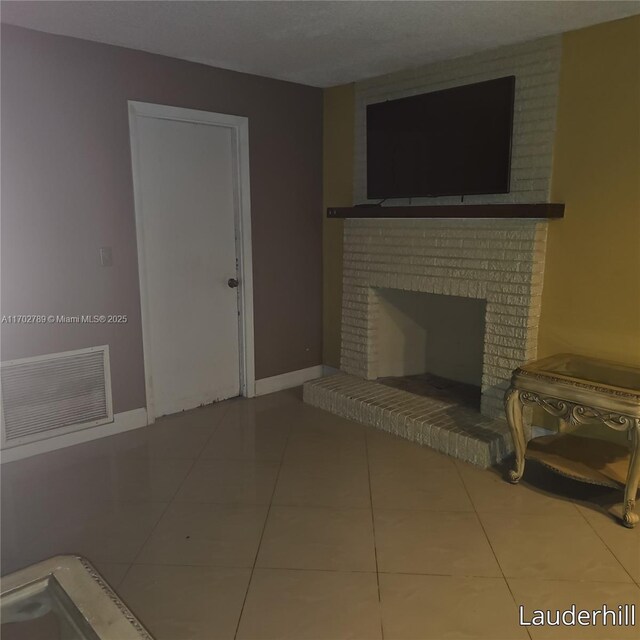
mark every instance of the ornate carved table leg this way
{"type": "Point", "coordinates": [629, 518]}
{"type": "Point", "coordinates": [514, 410]}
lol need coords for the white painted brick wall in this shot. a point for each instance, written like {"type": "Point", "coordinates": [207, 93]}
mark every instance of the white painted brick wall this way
{"type": "Point", "coordinates": [501, 261]}
{"type": "Point", "coordinates": [536, 66]}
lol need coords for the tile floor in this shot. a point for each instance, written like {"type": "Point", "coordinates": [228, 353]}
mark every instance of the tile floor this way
{"type": "Point", "coordinates": [268, 518]}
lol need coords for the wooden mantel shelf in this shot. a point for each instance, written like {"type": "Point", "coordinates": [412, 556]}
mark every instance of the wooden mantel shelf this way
{"type": "Point", "coordinates": [500, 211]}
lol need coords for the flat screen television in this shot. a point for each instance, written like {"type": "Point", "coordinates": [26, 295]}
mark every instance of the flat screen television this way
{"type": "Point", "coordinates": [451, 142]}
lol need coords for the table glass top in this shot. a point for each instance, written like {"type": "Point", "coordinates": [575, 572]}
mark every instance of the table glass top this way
{"type": "Point", "coordinates": [42, 611]}
{"type": "Point", "coordinates": [590, 370]}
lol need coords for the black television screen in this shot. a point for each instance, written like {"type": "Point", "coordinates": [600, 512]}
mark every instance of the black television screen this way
{"type": "Point", "coordinates": [451, 142]}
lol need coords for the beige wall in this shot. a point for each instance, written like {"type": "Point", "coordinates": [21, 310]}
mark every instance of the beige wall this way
{"type": "Point", "coordinates": [67, 191]}
{"type": "Point", "coordinates": [591, 295]}
{"type": "Point", "coordinates": [338, 191]}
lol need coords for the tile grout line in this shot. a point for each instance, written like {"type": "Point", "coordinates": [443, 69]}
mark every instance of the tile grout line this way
{"type": "Point", "coordinates": [373, 525]}
{"type": "Point", "coordinates": [609, 549]}
{"type": "Point", "coordinates": [576, 507]}
{"type": "Point", "coordinates": [264, 528]}
{"type": "Point", "coordinates": [271, 568]}
{"type": "Point", "coordinates": [486, 535]}
{"type": "Point", "coordinates": [175, 493]}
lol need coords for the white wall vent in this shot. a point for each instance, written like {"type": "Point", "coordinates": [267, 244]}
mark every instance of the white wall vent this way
{"type": "Point", "coordinates": [46, 396]}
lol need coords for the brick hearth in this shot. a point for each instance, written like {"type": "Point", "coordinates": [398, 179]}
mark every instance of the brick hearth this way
{"type": "Point", "coordinates": [435, 422]}
{"type": "Point", "coordinates": [500, 261]}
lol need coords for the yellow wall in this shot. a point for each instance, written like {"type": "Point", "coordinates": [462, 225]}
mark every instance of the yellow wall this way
{"type": "Point", "coordinates": [338, 191]}
{"type": "Point", "coordinates": [591, 295]}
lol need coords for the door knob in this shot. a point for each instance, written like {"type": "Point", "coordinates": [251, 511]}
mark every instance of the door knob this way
{"type": "Point", "coordinates": [232, 282]}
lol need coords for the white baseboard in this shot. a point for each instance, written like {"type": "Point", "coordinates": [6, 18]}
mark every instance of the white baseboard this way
{"type": "Point", "coordinates": [537, 432]}
{"type": "Point", "coordinates": [124, 421]}
{"type": "Point", "coordinates": [289, 380]}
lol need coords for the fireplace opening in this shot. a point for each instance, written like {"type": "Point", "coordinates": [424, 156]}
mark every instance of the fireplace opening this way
{"type": "Point", "coordinates": [431, 344]}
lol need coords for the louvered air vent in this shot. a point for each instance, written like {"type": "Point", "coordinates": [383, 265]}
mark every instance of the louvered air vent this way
{"type": "Point", "coordinates": [49, 395]}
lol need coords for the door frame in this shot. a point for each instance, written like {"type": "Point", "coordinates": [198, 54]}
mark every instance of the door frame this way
{"type": "Point", "coordinates": [239, 126]}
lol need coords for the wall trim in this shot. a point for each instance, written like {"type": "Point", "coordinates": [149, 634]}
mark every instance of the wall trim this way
{"type": "Point", "coordinates": [538, 432]}
{"type": "Point", "coordinates": [291, 379]}
{"type": "Point", "coordinates": [125, 421]}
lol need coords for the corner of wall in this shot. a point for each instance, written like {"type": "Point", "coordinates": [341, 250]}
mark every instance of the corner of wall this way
{"type": "Point", "coordinates": [338, 145]}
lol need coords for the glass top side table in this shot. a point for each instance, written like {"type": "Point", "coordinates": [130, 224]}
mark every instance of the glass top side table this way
{"type": "Point", "coordinates": [580, 390]}
{"type": "Point", "coordinates": [64, 598]}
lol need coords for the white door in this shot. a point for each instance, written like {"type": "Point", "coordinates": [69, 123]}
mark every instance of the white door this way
{"type": "Point", "coordinates": [186, 207]}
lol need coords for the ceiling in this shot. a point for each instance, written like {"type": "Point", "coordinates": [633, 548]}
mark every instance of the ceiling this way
{"type": "Point", "coordinates": [316, 43]}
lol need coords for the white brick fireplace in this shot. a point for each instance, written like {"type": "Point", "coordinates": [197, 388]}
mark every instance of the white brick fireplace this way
{"type": "Point", "coordinates": [498, 261]}
{"type": "Point", "coordinates": [501, 262]}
